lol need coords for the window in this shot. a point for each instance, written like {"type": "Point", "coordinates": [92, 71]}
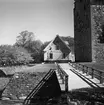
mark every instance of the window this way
{"type": "Point", "coordinates": [57, 47]}
{"type": "Point", "coordinates": [51, 56]}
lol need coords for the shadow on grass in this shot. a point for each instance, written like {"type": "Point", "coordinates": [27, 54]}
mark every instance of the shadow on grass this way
{"type": "Point", "coordinates": [91, 95]}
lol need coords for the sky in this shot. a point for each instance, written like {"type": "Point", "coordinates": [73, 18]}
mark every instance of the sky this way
{"type": "Point", "coordinates": [45, 18]}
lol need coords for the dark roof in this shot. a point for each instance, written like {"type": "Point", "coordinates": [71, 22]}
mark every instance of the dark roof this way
{"type": "Point", "coordinates": [63, 47]}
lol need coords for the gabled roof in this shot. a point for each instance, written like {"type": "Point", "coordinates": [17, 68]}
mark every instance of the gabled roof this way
{"type": "Point", "coordinates": [58, 41]}
{"type": "Point", "coordinates": [48, 46]}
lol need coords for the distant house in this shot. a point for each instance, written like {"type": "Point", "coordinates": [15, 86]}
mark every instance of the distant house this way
{"type": "Point", "coordinates": [56, 50]}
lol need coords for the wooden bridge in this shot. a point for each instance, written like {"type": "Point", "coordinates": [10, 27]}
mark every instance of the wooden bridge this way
{"type": "Point", "coordinates": [80, 77]}
{"type": "Point", "coordinates": [69, 76]}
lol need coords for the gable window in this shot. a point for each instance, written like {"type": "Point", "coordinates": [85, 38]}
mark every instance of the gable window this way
{"type": "Point", "coordinates": [64, 55]}
{"type": "Point", "coordinates": [57, 47]}
{"type": "Point", "coordinates": [51, 56]}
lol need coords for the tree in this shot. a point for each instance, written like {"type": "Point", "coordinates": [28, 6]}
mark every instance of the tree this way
{"type": "Point", "coordinates": [44, 45]}
{"type": "Point", "coordinates": [6, 55]}
{"type": "Point", "coordinates": [36, 51]}
{"type": "Point", "coordinates": [27, 41]}
{"type": "Point", "coordinates": [34, 46]}
{"type": "Point", "coordinates": [22, 56]}
{"type": "Point", "coordinates": [12, 55]}
{"type": "Point", "coordinates": [24, 38]}
{"type": "Point", "coordinates": [41, 54]}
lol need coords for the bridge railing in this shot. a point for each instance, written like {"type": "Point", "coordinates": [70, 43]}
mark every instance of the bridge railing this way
{"type": "Point", "coordinates": [64, 76]}
{"type": "Point", "coordinates": [99, 74]}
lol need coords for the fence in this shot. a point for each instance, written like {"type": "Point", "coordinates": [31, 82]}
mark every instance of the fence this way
{"type": "Point", "coordinates": [63, 76]}
{"type": "Point", "coordinates": [99, 74]}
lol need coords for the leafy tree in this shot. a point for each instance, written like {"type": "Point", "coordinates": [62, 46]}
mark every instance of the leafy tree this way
{"type": "Point", "coordinates": [24, 38]}
{"type": "Point", "coordinates": [36, 51]}
{"type": "Point", "coordinates": [44, 45]}
{"type": "Point", "coordinates": [23, 57]}
{"type": "Point", "coordinates": [6, 55]}
{"type": "Point", "coordinates": [27, 41]}
{"type": "Point", "coordinates": [99, 53]}
{"type": "Point", "coordinates": [11, 55]}
{"type": "Point", "coordinates": [34, 46]}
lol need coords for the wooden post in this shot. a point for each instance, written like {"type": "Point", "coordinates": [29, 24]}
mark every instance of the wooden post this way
{"type": "Point", "coordinates": [83, 69]}
{"type": "Point", "coordinates": [61, 75]}
{"type": "Point", "coordinates": [72, 64]}
{"type": "Point", "coordinates": [87, 71]}
{"type": "Point", "coordinates": [92, 74]}
{"type": "Point", "coordinates": [79, 67]}
{"type": "Point", "coordinates": [101, 81]}
{"type": "Point", "coordinates": [66, 83]}
{"type": "Point", "coordinates": [62, 80]}
{"type": "Point", "coordinates": [75, 66]}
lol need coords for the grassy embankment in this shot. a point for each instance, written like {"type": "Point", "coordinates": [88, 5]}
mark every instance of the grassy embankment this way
{"type": "Point", "coordinates": [24, 79]}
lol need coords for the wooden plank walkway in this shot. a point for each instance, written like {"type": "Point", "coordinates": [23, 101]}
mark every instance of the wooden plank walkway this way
{"type": "Point", "coordinates": [76, 81]}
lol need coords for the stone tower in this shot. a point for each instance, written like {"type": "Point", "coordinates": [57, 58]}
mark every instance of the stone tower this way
{"type": "Point", "coordinates": [88, 30]}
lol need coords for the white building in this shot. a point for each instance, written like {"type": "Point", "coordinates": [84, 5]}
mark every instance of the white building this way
{"type": "Point", "coordinates": [56, 50]}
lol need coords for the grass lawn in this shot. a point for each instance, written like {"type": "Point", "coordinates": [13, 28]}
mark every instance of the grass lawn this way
{"type": "Point", "coordinates": [22, 84]}
{"type": "Point", "coordinates": [40, 68]}
{"type": "Point", "coordinates": [14, 69]}
{"type": "Point", "coordinates": [25, 79]}
{"type": "Point", "coordinates": [37, 67]}
{"type": "Point", "coordinates": [98, 66]}
{"type": "Point", "coordinates": [61, 100]}
{"type": "Point", "coordinates": [3, 82]}
{"type": "Point", "coordinates": [87, 95]}
{"type": "Point", "coordinates": [8, 102]}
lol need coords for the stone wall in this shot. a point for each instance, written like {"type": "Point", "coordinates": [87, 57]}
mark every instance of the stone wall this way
{"type": "Point", "coordinates": [89, 30]}
{"type": "Point", "coordinates": [97, 27]}
{"type": "Point", "coordinates": [82, 29]}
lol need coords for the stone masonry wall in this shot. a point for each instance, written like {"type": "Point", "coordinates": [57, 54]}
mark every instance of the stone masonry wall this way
{"type": "Point", "coordinates": [89, 30]}
{"type": "Point", "coordinates": [82, 30]}
{"type": "Point", "coordinates": [97, 28]}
